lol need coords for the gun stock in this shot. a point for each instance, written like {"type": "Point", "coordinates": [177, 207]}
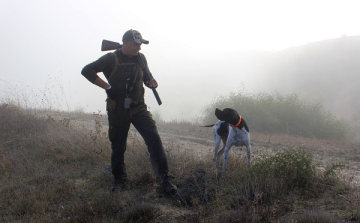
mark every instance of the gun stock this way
{"type": "Point", "coordinates": [109, 45]}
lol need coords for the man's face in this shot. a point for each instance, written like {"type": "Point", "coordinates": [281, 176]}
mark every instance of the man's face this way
{"type": "Point", "coordinates": [131, 48]}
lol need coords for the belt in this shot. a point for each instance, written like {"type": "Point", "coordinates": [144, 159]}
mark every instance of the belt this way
{"type": "Point", "coordinates": [137, 103]}
{"type": "Point", "coordinates": [133, 104]}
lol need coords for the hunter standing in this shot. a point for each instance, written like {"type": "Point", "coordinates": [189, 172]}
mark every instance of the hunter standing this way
{"type": "Point", "coordinates": [126, 105]}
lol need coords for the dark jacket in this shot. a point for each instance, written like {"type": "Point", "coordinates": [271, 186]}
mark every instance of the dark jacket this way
{"type": "Point", "coordinates": [123, 79]}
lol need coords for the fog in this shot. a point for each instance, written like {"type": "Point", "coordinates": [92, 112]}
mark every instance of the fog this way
{"type": "Point", "coordinates": [198, 49]}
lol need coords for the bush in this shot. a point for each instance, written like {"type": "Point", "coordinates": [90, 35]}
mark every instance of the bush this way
{"type": "Point", "coordinates": [290, 167]}
{"type": "Point", "coordinates": [274, 176]}
{"type": "Point", "coordinates": [280, 114]}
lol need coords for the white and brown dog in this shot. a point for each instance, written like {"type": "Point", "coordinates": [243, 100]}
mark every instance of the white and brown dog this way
{"type": "Point", "coordinates": [233, 131]}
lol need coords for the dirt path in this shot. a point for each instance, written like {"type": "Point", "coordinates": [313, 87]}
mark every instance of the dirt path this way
{"type": "Point", "coordinates": [324, 152]}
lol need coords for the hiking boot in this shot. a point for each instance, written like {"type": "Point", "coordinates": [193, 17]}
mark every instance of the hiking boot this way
{"type": "Point", "coordinates": [118, 185]}
{"type": "Point", "coordinates": [169, 188]}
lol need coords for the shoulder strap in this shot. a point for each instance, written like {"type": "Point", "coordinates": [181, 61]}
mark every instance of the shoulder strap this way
{"type": "Point", "coordinates": [117, 64]}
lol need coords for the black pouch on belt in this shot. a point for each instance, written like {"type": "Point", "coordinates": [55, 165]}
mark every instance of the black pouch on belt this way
{"type": "Point", "coordinates": [110, 104]}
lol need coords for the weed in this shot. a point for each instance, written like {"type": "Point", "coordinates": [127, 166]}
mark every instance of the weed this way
{"type": "Point", "coordinates": [139, 211]}
{"type": "Point", "coordinates": [330, 170]}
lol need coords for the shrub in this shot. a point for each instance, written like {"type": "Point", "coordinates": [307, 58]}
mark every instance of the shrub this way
{"type": "Point", "coordinates": [274, 176]}
{"type": "Point", "coordinates": [280, 114]}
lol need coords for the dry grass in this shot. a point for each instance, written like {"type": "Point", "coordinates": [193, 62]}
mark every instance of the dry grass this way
{"type": "Point", "coordinates": [54, 169]}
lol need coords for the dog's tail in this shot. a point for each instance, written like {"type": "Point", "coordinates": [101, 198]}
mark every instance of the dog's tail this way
{"type": "Point", "coordinates": [207, 125]}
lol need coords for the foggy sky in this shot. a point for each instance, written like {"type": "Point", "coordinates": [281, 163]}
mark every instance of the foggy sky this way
{"type": "Point", "coordinates": [197, 50]}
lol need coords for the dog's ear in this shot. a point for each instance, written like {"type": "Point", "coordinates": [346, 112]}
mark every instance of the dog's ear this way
{"type": "Point", "coordinates": [219, 114]}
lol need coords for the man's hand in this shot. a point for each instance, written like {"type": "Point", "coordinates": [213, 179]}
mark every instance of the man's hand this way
{"type": "Point", "coordinates": [151, 84]}
{"type": "Point", "coordinates": [110, 92]}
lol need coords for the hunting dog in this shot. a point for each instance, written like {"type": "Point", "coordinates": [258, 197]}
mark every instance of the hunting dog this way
{"type": "Point", "coordinates": [233, 131]}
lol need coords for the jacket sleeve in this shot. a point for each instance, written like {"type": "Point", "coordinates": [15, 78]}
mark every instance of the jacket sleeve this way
{"type": "Point", "coordinates": [103, 64]}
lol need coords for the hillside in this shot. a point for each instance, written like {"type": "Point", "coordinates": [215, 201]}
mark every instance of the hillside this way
{"type": "Point", "coordinates": [327, 71]}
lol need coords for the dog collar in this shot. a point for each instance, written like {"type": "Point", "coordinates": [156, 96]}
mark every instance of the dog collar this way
{"type": "Point", "coordinates": [237, 124]}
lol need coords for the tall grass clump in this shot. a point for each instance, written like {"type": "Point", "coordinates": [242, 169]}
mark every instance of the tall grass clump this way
{"type": "Point", "coordinates": [269, 188]}
{"type": "Point", "coordinates": [275, 175]}
{"type": "Point", "coordinates": [48, 166]}
{"type": "Point", "coordinates": [280, 114]}
{"type": "Point", "coordinates": [56, 169]}
{"type": "Point", "coordinates": [285, 170]}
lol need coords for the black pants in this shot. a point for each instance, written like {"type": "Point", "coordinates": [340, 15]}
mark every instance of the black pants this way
{"type": "Point", "coordinates": [119, 124]}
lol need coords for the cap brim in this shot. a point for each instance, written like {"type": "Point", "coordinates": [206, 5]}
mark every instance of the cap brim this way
{"type": "Point", "coordinates": [141, 41]}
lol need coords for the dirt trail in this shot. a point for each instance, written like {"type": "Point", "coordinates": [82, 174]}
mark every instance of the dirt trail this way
{"type": "Point", "coordinates": [324, 152]}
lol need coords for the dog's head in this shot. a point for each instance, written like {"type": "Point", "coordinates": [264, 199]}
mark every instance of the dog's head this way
{"type": "Point", "coordinates": [228, 115]}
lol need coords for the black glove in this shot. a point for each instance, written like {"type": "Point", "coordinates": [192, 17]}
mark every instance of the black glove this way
{"type": "Point", "coordinates": [110, 93]}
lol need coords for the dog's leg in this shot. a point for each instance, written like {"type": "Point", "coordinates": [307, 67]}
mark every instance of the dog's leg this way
{"type": "Point", "coordinates": [217, 145]}
{"type": "Point", "coordinates": [223, 139]}
{"type": "Point", "coordinates": [249, 154]}
{"type": "Point", "coordinates": [220, 154]}
{"type": "Point", "coordinates": [248, 146]}
{"type": "Point", "coordinates": [226, 152]}
{"type": "Point", "coordinates": [229, 143]}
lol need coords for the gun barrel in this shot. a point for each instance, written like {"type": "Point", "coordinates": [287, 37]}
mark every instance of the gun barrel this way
{"type": "Point", "coordinates": [147, 76]}
{"type": "Point", "coordinates": [109, 45]}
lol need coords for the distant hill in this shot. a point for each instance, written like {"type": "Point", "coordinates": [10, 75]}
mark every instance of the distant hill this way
{"type": "Point", "coordinates": [326, 71]}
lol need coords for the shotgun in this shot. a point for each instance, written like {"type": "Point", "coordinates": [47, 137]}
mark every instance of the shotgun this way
{"type": "Point", "coordinates": [110, 45]}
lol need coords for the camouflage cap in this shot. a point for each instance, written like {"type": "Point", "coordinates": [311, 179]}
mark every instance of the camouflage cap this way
{"type": "Point", "coordinates": [133, 35]}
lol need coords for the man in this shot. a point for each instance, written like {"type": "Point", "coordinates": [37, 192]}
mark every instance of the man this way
{"type": "Point", "coordinates": [125, 105]}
